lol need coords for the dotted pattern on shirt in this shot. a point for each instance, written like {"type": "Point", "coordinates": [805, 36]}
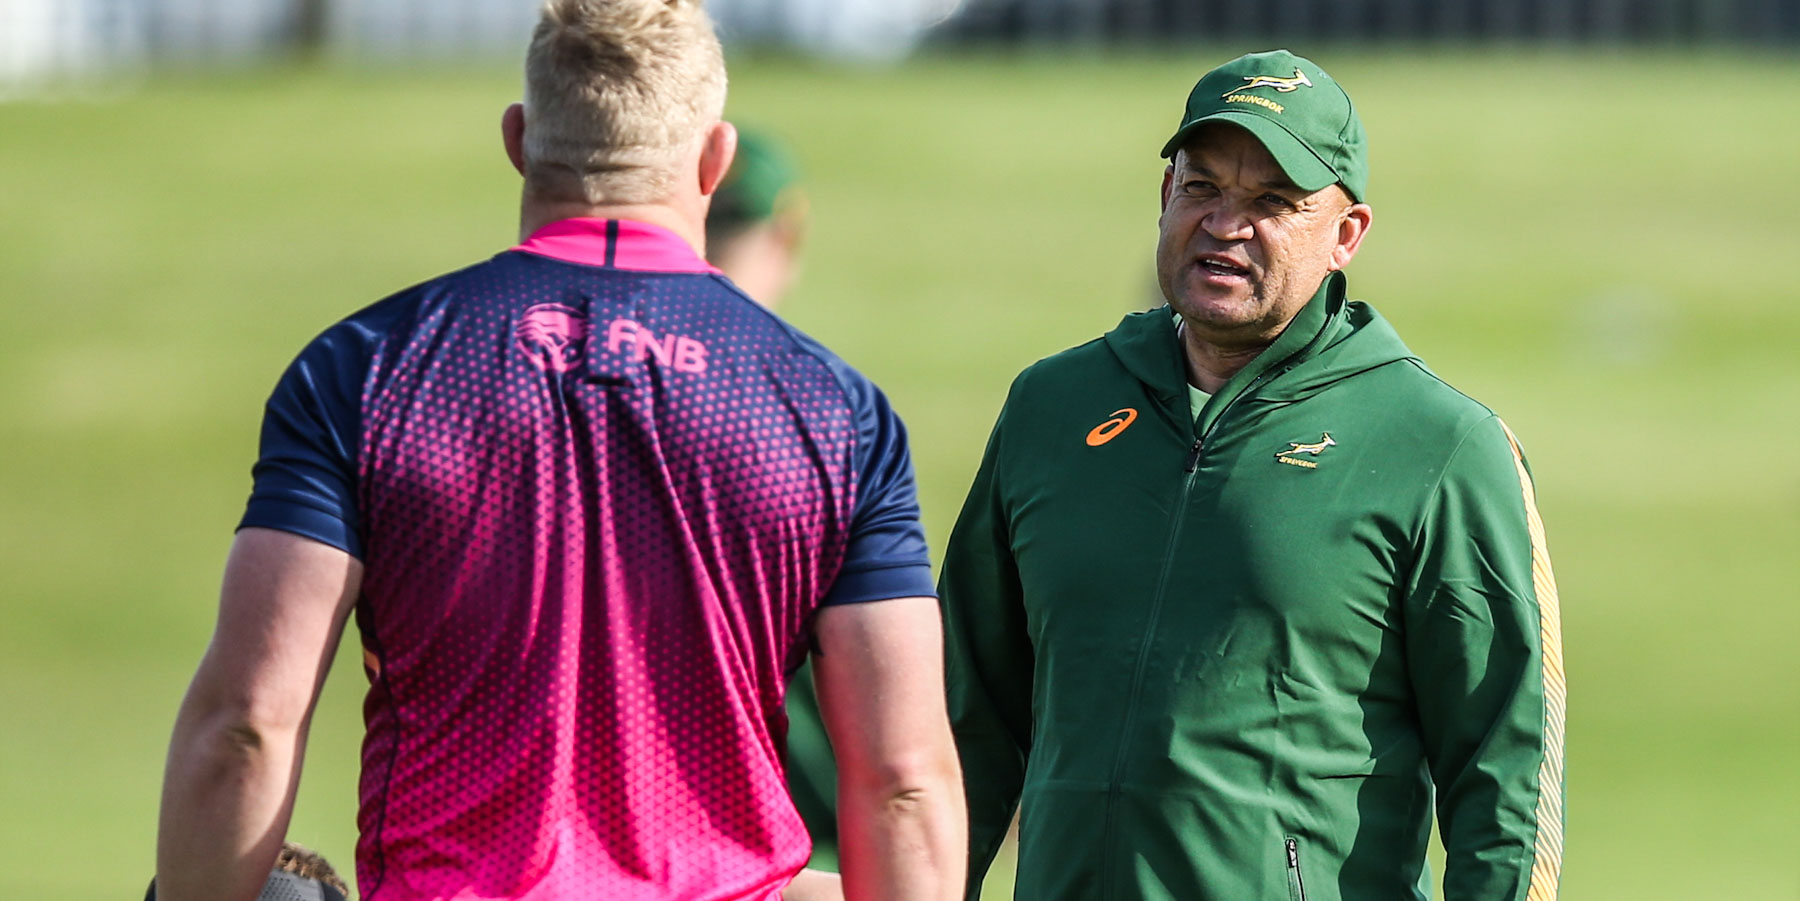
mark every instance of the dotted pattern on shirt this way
{"type": "Point", "coordinates": [583, 588]}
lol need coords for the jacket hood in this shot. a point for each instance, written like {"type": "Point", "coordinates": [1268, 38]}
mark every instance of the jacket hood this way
{"type": "Point", "coordinates": [1329, 340]}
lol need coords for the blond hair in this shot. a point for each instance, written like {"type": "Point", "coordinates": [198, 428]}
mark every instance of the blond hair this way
{"type": "Point", "coordinates": [617, 94]}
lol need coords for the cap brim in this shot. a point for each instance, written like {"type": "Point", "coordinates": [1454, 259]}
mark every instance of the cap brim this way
{"type": "Point", "coordinates": [1303, 167]}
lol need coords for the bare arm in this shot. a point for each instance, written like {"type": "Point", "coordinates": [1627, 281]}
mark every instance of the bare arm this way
{"type": "Point", "coordinates": [234, 761]}
{"type": "Point", "coordinates": [902, 823]}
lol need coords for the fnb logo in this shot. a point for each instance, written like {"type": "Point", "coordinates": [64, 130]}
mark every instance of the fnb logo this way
{"type": "Point", "coordinates": [684, 354]}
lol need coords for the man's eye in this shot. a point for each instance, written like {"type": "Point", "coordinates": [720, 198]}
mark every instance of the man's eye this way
{"type": "Point", "coordinates": [1278, 201]}
{"type": "Point", "coordinates": [1198, 187]}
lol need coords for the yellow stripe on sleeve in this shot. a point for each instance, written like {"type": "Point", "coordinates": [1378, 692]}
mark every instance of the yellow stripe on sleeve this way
{"type": "Point", "coordinates": [1546, 866]}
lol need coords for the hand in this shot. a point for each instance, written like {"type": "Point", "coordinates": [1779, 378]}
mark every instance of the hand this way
{"type": "Point", "coordinates": [814, 885]}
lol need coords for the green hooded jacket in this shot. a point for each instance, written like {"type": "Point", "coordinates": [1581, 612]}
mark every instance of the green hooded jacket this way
{"type": "Point", "coordinates": [1245, 657]}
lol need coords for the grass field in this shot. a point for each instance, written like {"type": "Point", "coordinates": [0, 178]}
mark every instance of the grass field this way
{"type": "Point", "coordinates": [1596, 246]}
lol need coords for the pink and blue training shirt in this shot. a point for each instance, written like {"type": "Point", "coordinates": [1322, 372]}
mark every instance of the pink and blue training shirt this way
{"type": "Point", "coordinates": [599, 495]}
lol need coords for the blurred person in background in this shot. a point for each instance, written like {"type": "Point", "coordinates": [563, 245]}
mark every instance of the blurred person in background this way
{"type": "Point", "coordinates": [589, 505]}
{"type": "Point", "coordinates": [1241, 589]}
{"type": "Point", "coordinates": [754, 231]}
{"type": "Point", "coordinates": [757, 223]}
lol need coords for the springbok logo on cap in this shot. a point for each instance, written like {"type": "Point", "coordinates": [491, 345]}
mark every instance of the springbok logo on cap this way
{"type": "Point", "coordinates": [552, 336]}
{"type": "Point", "coordinates": [1281, 85]}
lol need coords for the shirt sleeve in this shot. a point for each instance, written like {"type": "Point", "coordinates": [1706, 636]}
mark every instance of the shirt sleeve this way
{"type": "Point", "coordinates": [887, 556]}
{"type": "Point", "coordinates": [1484, 646]}
{"type": "Point", "coordinates": [305, 473]}
{"type": "Point", "coordinates": [988, 660]}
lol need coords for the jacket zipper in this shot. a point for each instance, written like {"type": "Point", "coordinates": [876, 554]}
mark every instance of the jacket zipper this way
{"type": "Point", "coordinates": [1190, 466]}
{"type": "Point", "coordinates": [1296, 886]}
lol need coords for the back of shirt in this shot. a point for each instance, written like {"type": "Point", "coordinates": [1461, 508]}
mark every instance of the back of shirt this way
{"type": "Point", "coordinates": [599, 495]}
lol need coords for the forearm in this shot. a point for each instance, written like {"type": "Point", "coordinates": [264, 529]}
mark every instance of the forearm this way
{"type": "Point", "coordinates": [227, 796]}
{"type": "Point", "coordinates": [1502, 829]}
{"type": "Point", "coordinates": [904, 841]}
{"type": "Point", "coordinates": [1494, 740]}
{"type": "Point", "coordinates": [234, 760]}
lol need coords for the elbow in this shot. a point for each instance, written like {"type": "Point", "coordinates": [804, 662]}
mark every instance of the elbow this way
{"type": "Point", "coordinates": [231, 738]}
{"type": "Point", "coordinates": [910, 802]}
{"type": "Point", "coordinates": [230, 728]}
{"type": "Point", "coordinates": [209, 754]}
{"type": "Point", "coordinates": [905, 783]}
{"type": "Point", "coordinates": [241, 737]}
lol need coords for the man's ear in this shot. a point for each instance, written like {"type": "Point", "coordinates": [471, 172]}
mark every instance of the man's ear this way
{"type": "Point", "coordinates": [1352, 228]}
{"type": "Point", "coordinates": [716, 156]}
{"type": "Point", "coordinates": [512, 134]}
{"type": "Point", "coordinates": [1168, 182]}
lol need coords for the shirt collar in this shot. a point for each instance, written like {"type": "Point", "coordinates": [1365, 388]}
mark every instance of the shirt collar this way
{"type": "Point", "coordinates": [615, 244]}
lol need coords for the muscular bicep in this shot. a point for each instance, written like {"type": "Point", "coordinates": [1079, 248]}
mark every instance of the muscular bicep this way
{"type": "Point", "coordinates": [880, 677]}
{"type": "Point", "coordinates": [282, 609]}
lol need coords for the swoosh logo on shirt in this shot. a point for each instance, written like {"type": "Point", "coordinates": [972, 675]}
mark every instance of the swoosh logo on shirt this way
{"type": "Point", "coordinates": [1110, 429]}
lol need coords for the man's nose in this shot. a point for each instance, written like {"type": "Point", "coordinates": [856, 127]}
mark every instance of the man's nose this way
{"type": "Point", "coordinates": [1228, 222]}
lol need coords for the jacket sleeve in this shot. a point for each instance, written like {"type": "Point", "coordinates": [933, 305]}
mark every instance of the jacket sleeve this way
{"type": "Point", "coordinates": [1484, 645]}
{"type": "Point", "coordinates": [988, 661]}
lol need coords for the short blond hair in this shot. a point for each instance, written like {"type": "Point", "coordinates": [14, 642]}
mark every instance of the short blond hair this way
{"type": "Point", "coordinates": [617, 94]}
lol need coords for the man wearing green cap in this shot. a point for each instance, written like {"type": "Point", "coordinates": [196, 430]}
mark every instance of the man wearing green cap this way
{"type": "Point", "coordinates": [758, 220]}
{"type": "Point", "coordinates": [1242, 593]}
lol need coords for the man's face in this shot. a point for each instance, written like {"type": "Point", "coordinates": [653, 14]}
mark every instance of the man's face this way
{"type": "Point", "coordinates": [1242, 248]}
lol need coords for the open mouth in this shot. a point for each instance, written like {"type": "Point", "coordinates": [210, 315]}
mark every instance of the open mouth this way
{"type": "Point", "coordinates": [1215, 266]}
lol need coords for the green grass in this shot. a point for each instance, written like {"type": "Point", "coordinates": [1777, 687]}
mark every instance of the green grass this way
{"type": "Point", "coordinates": [1592, 245]}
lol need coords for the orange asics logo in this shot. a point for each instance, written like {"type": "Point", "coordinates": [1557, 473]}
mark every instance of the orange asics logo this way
{"type": "Point", "coordinates": [1110, 429]}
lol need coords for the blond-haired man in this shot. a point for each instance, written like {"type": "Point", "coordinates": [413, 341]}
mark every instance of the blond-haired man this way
{"type": "Point", "coordinates": [589, 504]}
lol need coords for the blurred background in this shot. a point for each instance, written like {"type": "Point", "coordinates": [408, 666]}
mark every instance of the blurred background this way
{"type": "Point", "coordinates": [1586, 213]}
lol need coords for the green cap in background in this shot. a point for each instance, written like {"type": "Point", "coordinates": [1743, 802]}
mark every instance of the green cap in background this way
{"type": "Point", "coordinates": [1296, 110]}
{"type": "Point", "coordinates": [757, 186]}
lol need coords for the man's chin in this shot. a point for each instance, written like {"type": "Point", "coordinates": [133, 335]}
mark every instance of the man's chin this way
{"type": "Point", "coordinates": [1220, 313]}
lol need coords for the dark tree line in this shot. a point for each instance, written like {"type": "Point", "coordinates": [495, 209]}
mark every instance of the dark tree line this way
{"type": "Point", "coordinates": [1597, 21]}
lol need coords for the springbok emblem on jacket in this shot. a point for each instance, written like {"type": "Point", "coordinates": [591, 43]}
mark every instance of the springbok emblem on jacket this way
{"type": "Point", "coordinates": [1281, 85]}
{"type": "Point", "coordinates": [1295, 447]}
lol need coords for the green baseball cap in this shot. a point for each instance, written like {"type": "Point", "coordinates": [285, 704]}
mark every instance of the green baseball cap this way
{"type": "Point", "coordinates": [758, 183]}
{"type": "Point", "coordinates": [1297, 111]}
